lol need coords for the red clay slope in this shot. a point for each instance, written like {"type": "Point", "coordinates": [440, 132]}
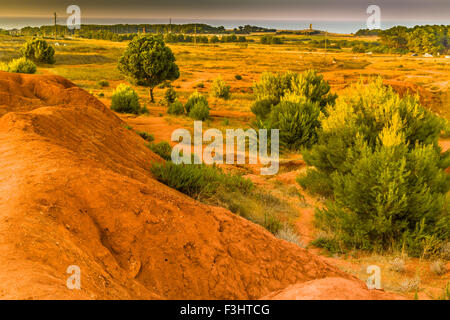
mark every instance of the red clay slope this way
{"type": "Point", "coordinates": [75, 189]}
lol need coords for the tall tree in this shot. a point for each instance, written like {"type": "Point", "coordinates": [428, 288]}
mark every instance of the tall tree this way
{"type": "Point", "coordinates": [147, 62]}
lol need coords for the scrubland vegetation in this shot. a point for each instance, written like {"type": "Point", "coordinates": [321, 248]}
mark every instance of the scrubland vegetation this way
{"type": "Point", "coordinates": [373, 168]}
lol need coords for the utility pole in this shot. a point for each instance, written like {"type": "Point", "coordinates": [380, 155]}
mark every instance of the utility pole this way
{"type": "Point", "coordinates": [170, 25]}
{"type": "Point", "coordinates": [195, 35]}
{"type": "Point", "coordinates": [326, 34]}
{"type": "Point", "coordinates": [55, 24]}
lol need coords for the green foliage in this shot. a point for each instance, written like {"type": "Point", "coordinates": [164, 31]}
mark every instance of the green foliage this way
{"type": "Point", "coordinates": [379, 162]}
{"type": "Point", "coordinates": [445, 293]}
{"type": "Point", "coordinates": [4, 66]}
{"type": "Point", "coordinates": [272, 87]}
{"type": "Point", "coordinates": [162, 149]}
{"type": "Point", "coordinates": [200, 111]}
{"type": "Point", "coordinates": [170, 95]}
{"type": "Point", "coordinates": [176, 108]}
{"type": "Point", "coordinates": [297, 122]}
{"type": "Point", "coordinates": [262, 108]}
{"type": "Point", "coordinates": [21, 65]}
{"type": "Point", "coordinates": [214, 39]}
{"type": "Point", "coordinates": [103, 83]}
{"type": "Point", "coordinates": [146, 136]}
{"type": "Point", "coordinates": [445, 134]}
{"type": "Point", "coordinates": [420, 39]}
{"type": "Point", "coordinates": [327, 243]}
{"type": "Point", "coordinates": [292, 102]}
{"type": "Point", "coordinates": [238, 77]}
{"type": "Point", "coordinates": [270, 40]}
{"type": "Point", "coordinates": [220, 89]}
{"type": "Point", "coordinates": [199, 180]}
{"type": "Point", "coordinates": [38, 51]}
{"type": "Point", "coordinates": [125, 100]}
{"type": "Point", "coordinates": [292, 86]}
{"type": "Point", "coordinates": [194, 99]}
{"type": "Point", "coordinates": [147, 61]}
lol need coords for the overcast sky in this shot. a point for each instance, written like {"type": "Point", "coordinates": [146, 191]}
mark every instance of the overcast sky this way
{"type": "Point", "coordinates": [409, 10]}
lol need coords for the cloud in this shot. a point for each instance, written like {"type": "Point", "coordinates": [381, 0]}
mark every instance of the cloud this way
{"type": "Point", "coordinates": [220, 9]}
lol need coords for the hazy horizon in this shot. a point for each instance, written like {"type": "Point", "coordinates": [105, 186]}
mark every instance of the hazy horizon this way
{"type": "Point", "coordinates": [343, 15]}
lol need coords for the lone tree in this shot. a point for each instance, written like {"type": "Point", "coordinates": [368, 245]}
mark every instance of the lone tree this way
{"type": "Point", "coordinates": [147, 62]}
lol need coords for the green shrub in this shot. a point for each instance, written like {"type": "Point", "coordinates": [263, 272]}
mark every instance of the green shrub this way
{"type": "Point", "coordinates": [170, 95]}
{"type": "Point", "coordinates": [199, 180]}
{"type": "Point", "coordinates": [200, 111]}
{"type": "Point", "coordinates": [297, 122]}
{"type": "Point", "coordinates": [271, 40]}
{"type": "Point", "coordinates": [176, 108]}
{"type": "Point", "coordinates": [220, 89]}
{"type": "Point", "coordinates": [445, 293]}
{"type": "Point", "coordinates": [22, 65]}
{"type": "Point", "coordinates": [4, 66]}
{"type": "Point", "coordinates": [193, 99]}
{"type": "Point", "coordinates": [272, 224]}
{"type": "Point", "coordinates": [262, 108]}
{"type": "Point", "coordinates": [238, 77]}
{"type": "Point", "coordinates": [146, 136]}
{"type": "Point", "coordinates": [103, 83]}
{"type": "Point", "coordinates": [38, 51]}
{"type": "Point", "coordinates": [377, 154]}
{"type": "Point", "coordinates": [162, 149]}
{"type": "Point", "coordinates": [312, 86]}
{"type": "Point", "coordinates": [292, 103]}
{"type": "Point", "coordinates": [294, 87]}
{"type": "Point", "coordinates": [214, 39]}
{"type": "Point", "coordinates": [445, 134]}
{"type": "Point", "coordinates": [125, 100]}
{"type": "Point", "coordinates": [272, 87]}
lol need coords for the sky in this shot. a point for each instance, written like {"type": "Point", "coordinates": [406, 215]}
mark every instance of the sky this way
{"type": "Point", "coordinates": [238, 10]}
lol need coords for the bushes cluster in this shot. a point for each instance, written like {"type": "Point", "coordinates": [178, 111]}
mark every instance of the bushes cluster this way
{"type": "Point", "coordinates": [170, 95]}
{"type": "Point", "coordinates": [125, 100]}
{"type": "Point", "coordinates": [146, 136]}
{"type": "Point", "coordinates": [103, 83]}
{"type": "Point", "coordinates": [220, 89]}
{"type": "Point", "coordinates": [176, 108]}
{"type": "Point", "coordinates": [292, 102]}
{"type": "Point", "coordinates": [193, 99]}
{"type": "Point", "coordinates": [271, 40]}
{"type": "Point", "coordinates": [197, 107]}
{"type": "Point", "coordinates": [162, 149]}
{"type": "Point", "coordinates": [378, 161]}
{"type": "Point", "coordinates": [297, 122]}
{"type": "Point", "coordinates": [20, 65]}
{"type": "Point", "coordinates": [200, 111]}
{"type": "Point", "coordinates": [177, 38]}
{"type": "Point", "coordinates": [38, 51]}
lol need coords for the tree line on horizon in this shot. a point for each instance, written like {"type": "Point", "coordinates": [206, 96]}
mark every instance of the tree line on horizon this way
{"type": "Point", "coordinates": [419, 39]}
{"type": "Point", "coordinates": [124, 29]}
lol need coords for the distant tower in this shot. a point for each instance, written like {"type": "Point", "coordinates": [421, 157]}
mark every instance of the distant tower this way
{"type": "Point", "coordinates": [310, 26]}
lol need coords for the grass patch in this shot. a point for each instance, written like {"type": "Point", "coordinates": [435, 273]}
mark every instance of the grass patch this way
{"type": "Point", "coordinates": [213, 186]}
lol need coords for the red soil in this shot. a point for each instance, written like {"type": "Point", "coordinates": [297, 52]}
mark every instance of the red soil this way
{"type": "Point", "coordinates": [329, 289]}
{"type": "Point", "coordinates": [75, 189]}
